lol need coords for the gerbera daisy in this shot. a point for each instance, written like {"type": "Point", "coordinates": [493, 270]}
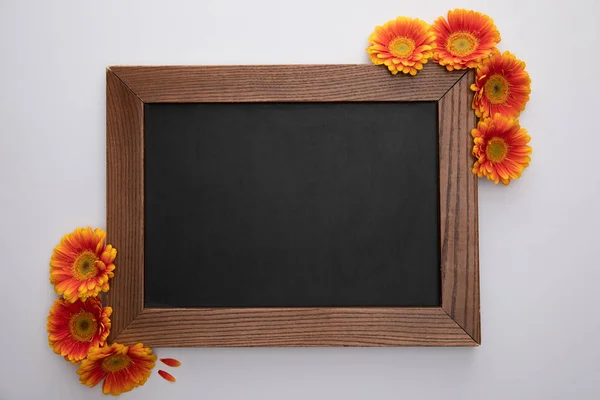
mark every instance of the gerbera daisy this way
{"type": "Point", "coordinates": [501, 149]}
{"type": "Point", "coordinates": [82, 264]}
{"type": "Point", "coordinates": [502, 86]}
{"type": "Point", "coordinates": [464, 39]}
{"type": "Point", "coordinates": [124, 368]}
{"type": "Point", "coordinates": [75, 327]}
{"type": "Point", "coordinates": [403, 45]}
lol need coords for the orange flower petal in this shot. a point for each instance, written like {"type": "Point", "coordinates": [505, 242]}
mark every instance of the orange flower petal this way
{"type": "Point", "coordinates": [171, 362]}
{"type": "Point", "coordinates": [166, 375]}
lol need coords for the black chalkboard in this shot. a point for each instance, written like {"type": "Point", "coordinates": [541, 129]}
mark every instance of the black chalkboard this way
{"type": "Point", "coordinates": [291, 205]}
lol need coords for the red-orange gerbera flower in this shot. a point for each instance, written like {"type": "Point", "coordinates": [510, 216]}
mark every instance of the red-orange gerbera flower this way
{"type": "Point", "coordinates": [124, 368]}
{"type": "Point", "coordinates": [464, 39]}
{"type": "Point", "coordinates": [502, 86]}
{"type": "Point", "coordinates": [403, 45]}
{"type": "Point", "coordinates": [82, 264]}
{"type": "Point", "coordinates": [75, 327]}
{"type": "Point", "coordinates": [501, 149]}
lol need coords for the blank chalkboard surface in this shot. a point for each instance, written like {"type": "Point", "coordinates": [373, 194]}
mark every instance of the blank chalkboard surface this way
{"type": "Point", "coordinates": [291, 204]}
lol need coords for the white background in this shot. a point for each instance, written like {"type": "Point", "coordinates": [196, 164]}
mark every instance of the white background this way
{"type": "Point", "coordinates": [540, 268]}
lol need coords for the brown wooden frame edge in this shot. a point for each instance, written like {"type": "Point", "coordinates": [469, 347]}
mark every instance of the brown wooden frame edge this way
{"type": "Point", "coordinates": [455, 323]}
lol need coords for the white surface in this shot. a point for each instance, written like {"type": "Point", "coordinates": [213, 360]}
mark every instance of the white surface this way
{"type": "Point", "coordinates": [539, 237]}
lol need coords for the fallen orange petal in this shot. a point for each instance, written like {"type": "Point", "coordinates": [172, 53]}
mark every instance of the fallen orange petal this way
{"type": "Point", "coordinates": [166, 375]}
{"type": "Point", "coordinates": [171, 362]}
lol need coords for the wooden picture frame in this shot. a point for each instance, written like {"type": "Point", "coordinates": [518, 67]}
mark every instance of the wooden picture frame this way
{"type": "Point", "coordinates": [455, 323]}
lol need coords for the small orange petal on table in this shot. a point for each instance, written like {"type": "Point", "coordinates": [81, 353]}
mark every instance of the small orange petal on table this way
{"type": "Point", "coordinates": [166, 375]}
{"type": "Point", "coordinates": [171, 362]}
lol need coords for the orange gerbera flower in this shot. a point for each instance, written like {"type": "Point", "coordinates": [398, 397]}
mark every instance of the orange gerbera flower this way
{"type": "Point", "coordinates": [403, 45]}
{"type": "Point", "coordinates": [124, 368]}
{"type": "Point", "coordinates": [464, 39]}
{"type": "Point", "coordinates": [502, 86]}
{"type": "Point", "coordinates": [501, 149]}
{"type": "Point", "coordinates": [75, 327]}
{"type": "Point", "coordinates": [82, 264]}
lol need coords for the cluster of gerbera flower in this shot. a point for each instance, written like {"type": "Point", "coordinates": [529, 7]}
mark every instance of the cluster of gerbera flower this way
{"type": "Point", "coordinates": [468, 39]}
{"type": "Point", "coordinates": [78, 324]}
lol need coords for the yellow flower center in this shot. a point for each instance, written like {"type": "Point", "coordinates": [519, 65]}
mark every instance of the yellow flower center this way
{"type": "Point", "coordinates": [497, 89]}
{"type": "Point", "coordinates": [461, 44]}
{"type": "Point", "coordinates": [496, 150]}
{"type": "Point", "coordinates": [84, 266]}
{"type": "Point", "coordinates": [402, 47]}
{"type": "Point", "coordinates": [116, 363]}
{"type": "Point", "coordinates": [83, 326]}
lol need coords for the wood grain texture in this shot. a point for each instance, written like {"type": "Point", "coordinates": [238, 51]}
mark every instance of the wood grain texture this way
{"type": "Point", "coordinates": [295, 327]}
{"type": "Point", "coordinates": [125, 200]}
{"type": "Point", "coordinates": [458, 209]}
{"type": "Point", "coordinates": [284, 83]}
